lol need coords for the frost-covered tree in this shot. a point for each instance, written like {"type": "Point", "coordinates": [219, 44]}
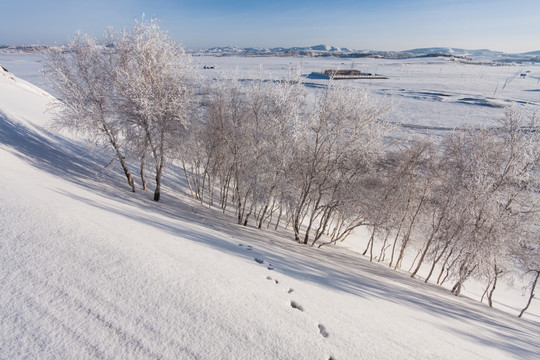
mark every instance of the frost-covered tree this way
{"type": "Point", "coordinates": [275, 109]}
{"type": "Point", "coordinates": [415, 184]}
{"type": "Point", "coordinates": [249, 127]}
{"type": "Point", "coordinates": [341, 137]}
{"type": "Point", "coordinates": [470, 205]}
{"type": "Point", "coordinates": [88, 98]}
{"type": "Point", "coordinates": [494, 172]}
{"type": "Point", "coordinates": [527, 253]}
{"type": "Point", "coordinates": [283, 152]}
{"type": "Point", "coordinates": [133, 90]}
{"type": "Point", "coordinates": [155, 78]}
{"type": "Point", "coordinates": [226, 123]}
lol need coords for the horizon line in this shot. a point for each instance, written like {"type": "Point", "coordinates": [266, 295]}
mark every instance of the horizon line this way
{"type": "Point", "coordinates": [4, 46]}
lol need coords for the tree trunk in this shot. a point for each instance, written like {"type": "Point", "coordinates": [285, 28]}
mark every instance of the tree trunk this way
{"type": "Point", "coordinates": [270, 215]}
{"type": "Point", "coordinates": [159, 172]}
{"type": "Point", "coordinates": [157, 191]}
{"type": "Point", "coordinates": [414, 261]}
{"type": "Point", "coordinates": [399, 232]}
{"type": "Point", "coordinates": [127, 172]}
{"type": "Point", "coordinates": [436, 261]}
{"type": "Point", "coordinates": [426, 248]}
{"type": "Point", "coordinates": [143, 179]}
{"type": "Point", "coordinates": [456, 290]}
{"type": "Point", "coordinates": [112, 140]}
{"type": "Point", "coordinates": [383, 247]}
{"type": "Point", "coordinates": [464, 273]}
{"type": "Point", "coordinates": [262, 215]}
{"type": "Point", "coordinates": [312, 219]}
{"type": "Point", "coordinates": [188, 180]}
{"type": "Point", "coordinates": [407, 236]}
{"type": "Point", "coordinates": [239, 211]}
{"type": "Point", "coordinates": [490, 294]}
{"type": "Point", "coordinates": [297, 222]}
{"type": "Point", "coordinates": [296, 228]}
{"type": "Point", "coordinates": [248, 214]}
{"type": "Point", "coordinates": [369, 242]}
{"type": "Point", "coordinates": [486, 290]}
{"type": "Point", "coordinates": [279, 217]}
{"type": "Point", "coordinates": [444, 266]}
{"type": "Point", "coordinates": [323, 224]}
{"type": "Point", "coordinates": [531, 296]}
{"type": "Point", "coordinates": [211, 189]}
{"type": "Point", "coordinates": [371, 246]}
{"type": "Point", "coordinates": [224, 193]}
{"type": "Point", "coordinates": [428, 245]}
{"type": "Point", "coordinates": [394, 247]}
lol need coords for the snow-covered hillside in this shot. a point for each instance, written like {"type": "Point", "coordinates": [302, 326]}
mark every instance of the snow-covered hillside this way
{"type": "Point", "coordinates": [89, 270]}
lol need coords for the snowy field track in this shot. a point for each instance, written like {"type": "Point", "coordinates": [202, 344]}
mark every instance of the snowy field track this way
{"type": "Point", "coordinates": [89, 270]}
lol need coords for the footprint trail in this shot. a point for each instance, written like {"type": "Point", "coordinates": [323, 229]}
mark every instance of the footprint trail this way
{"type": "Point", "coordinates": [295, 305]}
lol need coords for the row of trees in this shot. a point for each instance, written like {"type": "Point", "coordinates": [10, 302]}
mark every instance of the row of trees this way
{"type": "Point", "coordinates": [466, 206]}
{"type": "Point", "coordinates": [280, 155]}
{"type": "Point", "coordinates": [320, 163]}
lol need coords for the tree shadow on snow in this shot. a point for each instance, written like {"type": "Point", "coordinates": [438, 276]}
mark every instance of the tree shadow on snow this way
{"type": "Point", "coordinates": [335, 268]}
{"type": "Point", "coordinates": [50, 153]}
{"type": "Point", "coordinates": [332, 267]}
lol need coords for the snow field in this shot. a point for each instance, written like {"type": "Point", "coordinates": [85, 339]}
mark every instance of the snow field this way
{"type": "Point", "coordinates": [89, 270]}
{"type": "Point", "coordinates": [428, 94]}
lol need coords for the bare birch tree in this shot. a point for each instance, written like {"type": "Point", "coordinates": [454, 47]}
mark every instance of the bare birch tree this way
{"type": "Point", "coordinates": [342, 134]}
{"type": "Point", "coordinates": [155, 78]}
{"type": "Point", "coordinates": [88, 101]}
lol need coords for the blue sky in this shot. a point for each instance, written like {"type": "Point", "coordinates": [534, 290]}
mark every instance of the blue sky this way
{"type": "Point", "coordinates": [504, 25]}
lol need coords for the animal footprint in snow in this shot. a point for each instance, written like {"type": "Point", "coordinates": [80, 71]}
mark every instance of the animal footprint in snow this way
{"type": "Point", "coordinates": [270, 267]}
{"type": "Point", "coordinates": [248, 247]}
{"type": "Point", "coordinates": [289, 290]}
{"type": "Point", "coordinates": [270, 278]}
{"type": "Point", "coordinates": [295, 305]}
{"type": "Point", "coordinates": [322, 331]}
{"type": "Point", "coordinates": [259, 261]}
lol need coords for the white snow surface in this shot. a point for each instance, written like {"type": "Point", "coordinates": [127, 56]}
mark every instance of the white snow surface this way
{"type": "Point", "coordinates": [89, 270]}
{"type": "Point", "coordinates": [429, 95]}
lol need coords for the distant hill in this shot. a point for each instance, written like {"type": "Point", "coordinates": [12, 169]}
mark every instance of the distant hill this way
{"type": "Point", "coordinates": [22, 48]}
{"type": "Point", "coordinates": [475, 54]}
{"type": "Point", "coordinates": [329, 50]}
{"type": "Point", "coordinates": [532, 53]}
{"type": "Point", "coordinates": [316, 49]}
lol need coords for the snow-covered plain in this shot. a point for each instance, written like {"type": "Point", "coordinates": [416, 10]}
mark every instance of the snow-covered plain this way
{"type": "Point", "coordinates": [428, 94]}
{"type": "Point", "coordinates": [90, 270]}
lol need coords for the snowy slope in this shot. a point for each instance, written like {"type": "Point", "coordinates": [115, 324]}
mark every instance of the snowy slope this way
{"type": "Point", "coordinates": [90, 271]}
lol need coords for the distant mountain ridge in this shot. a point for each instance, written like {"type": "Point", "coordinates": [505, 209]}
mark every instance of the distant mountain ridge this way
{"type": "Point", "coordinates": [315, 48]}
{"type": "Point", "coordinates": [329, 50]}
{"type": "Point", "coordinates": [22, 48]}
